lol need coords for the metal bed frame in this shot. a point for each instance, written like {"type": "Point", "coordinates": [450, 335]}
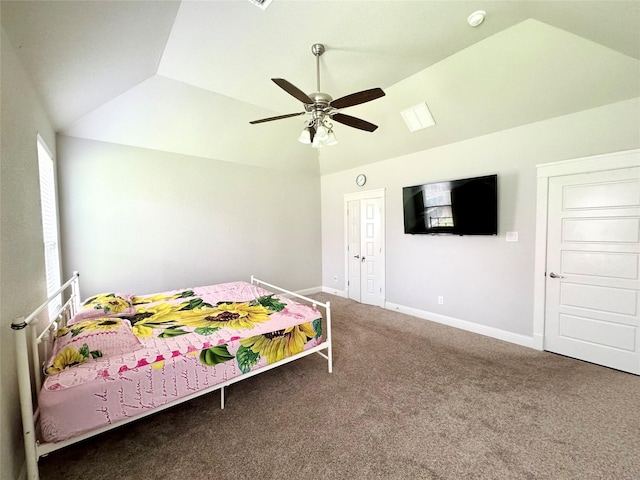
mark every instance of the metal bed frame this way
{"type": "Point", "coordinates": [32, 346]}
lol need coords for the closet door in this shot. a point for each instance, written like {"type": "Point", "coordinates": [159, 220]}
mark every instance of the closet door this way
{"type": "Point", "coordinates": [353, 248]}
{"type": "Point", "coordinates": [365, 251]}
{"type": "Point", "coordinates": [593, 263]}
{"type": "Point", "coordinates": [371, 252]}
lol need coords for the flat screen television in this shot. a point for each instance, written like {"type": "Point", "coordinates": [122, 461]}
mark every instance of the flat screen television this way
{"type": "Point", "coordinates": [468, 206]}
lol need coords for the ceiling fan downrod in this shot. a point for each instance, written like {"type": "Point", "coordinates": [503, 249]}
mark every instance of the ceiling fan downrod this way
{"type": "Point", "coordinates": [317, 49]}
{"type": "Point", "coordinates": [320, 107]}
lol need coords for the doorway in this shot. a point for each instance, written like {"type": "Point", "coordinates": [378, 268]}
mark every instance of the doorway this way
{"type": "Point", "coordinates": [365, 247]}
{"type": "Point", "coordinates": [589, 293]}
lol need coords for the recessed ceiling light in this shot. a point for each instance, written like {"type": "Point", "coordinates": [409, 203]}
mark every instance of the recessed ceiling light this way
{"type": "Point", "coordinates": [476, 18]}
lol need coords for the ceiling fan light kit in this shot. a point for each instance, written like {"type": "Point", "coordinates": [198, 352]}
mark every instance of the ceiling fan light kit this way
{"type": "Point", "coordinates": [305, 136]}
{"type": "Point", "coordinates": [318, 130]}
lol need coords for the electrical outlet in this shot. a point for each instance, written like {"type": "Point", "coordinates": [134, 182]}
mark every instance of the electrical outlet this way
{"type": "Point", "coordinates": [440, 300]}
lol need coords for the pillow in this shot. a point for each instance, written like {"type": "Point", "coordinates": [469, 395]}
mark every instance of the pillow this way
{"type": "Point", "coordinates": [91, 339]}
{"type": "Point", "coordinates": [105, 305]}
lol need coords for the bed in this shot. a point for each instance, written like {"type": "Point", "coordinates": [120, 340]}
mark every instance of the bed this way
{"type": "Point", "coordinates": [118, 357]}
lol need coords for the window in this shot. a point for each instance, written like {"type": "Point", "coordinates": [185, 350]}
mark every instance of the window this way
{"type": "Point", "coordinates": [49, 223]}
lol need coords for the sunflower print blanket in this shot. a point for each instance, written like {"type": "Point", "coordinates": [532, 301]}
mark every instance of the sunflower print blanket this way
{"type": "Point", "coordinates": [228, 323]}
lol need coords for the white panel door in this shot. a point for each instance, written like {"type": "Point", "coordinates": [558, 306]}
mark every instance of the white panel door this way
{"type": "Point", "coordinates": [592, 308]}
{"type": "Point", "coordinates": [353, 249]}
{"type": "Point", "coordinates": [371, 252]}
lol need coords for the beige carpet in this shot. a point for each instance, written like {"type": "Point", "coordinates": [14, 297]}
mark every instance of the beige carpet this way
{"type": "Point", "coordinates": [408, 399]}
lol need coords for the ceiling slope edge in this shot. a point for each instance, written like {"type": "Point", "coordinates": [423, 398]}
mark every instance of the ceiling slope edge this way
{"type": "Point", "coordinates": [167, 115]}
{"type": "Point", "coordinates": [570, 126]}
{"type": "Point", "coordinates": [525, 74]}
{"type": "Point", "coordinates": [80, 55]}
{"type": "Point", "coordinates": [93, 143]}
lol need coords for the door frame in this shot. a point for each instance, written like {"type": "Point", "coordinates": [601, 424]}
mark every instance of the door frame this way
{"type": "Point", "coordinates": [365, 195]}
{"type": "Point", "coordinates": [545, 171]}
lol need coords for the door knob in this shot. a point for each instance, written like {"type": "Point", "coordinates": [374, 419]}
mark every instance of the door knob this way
{"type": "Point", "coordinates": [356, 256]}
{"type": "Point", "coordinates": [555, 275]}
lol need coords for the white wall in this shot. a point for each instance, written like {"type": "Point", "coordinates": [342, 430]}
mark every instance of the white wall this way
{"type": "Point", "coordinates": [22, 252]}
{"type": "Point", "coordinates": [484, 280]}
{"type": "Point", "coordinates": [139, 220]}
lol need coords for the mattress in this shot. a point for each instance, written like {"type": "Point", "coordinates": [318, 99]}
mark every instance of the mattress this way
{"type": "Point", "coordinates": [125, 355]}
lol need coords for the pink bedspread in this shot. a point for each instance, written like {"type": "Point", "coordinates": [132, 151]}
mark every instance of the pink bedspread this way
{"type": "Point", "coordinates": [186, 340]}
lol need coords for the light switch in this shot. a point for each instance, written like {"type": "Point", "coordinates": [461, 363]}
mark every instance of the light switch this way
{"type": "Point", "coordinates": [512, 236]}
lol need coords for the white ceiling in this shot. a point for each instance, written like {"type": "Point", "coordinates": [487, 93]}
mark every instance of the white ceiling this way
{"type": "Point", "coordinates": [187, 77]}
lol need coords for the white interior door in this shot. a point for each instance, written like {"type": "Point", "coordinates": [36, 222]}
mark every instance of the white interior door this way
{"type": "Point", "coordinates": [593, 262]}
{"type": "Point", "coordinates": [371, 252]}
{"type": "Point", "coordinates": [353, 249]}
{"type": "Point", "coordinates": [365, 249]}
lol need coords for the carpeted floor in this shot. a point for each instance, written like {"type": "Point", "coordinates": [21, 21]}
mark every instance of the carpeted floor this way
{"type": "Point", "coordinates": [408, 399]}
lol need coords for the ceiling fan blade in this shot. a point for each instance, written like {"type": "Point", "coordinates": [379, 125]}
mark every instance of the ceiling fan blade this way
{"type": "Point", "coordinates": [291, 89]}
{"type": "Point", "coordinates": [354, 122]}
{"type": "Point", "coordinates": [357, 98]}
{"type": "Point", "coordinates": [262, 120]}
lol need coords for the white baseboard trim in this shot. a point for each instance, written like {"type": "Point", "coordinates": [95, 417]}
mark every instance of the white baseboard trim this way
{"type": "Point", "coordinates": [465, 325]}
{"type": "Point", "coordinates": [309, 291]}
{"type": "Point", "coordinates": [335, 291]}
{"type": "Point", "coordinates": [538, 341]}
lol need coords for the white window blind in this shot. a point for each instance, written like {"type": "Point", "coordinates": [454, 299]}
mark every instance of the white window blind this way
{"type": "Point", "coordinates": [49, 223]}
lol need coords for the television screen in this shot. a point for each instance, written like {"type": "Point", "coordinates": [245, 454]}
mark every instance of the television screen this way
{"type": "Point", "coordinates": [467, 206]}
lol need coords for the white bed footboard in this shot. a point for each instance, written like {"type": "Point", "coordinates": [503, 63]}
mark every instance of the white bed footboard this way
{"type": "Point", "coordinates": [33, 343]}
{"type": "Point", "coordinates": [28, 352]}
{"type": "Point", "coordinates": [326, 345]}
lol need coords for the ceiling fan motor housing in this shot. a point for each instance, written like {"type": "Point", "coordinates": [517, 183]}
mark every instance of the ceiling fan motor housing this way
{"type": "Point", "coordinates": [320, 98]}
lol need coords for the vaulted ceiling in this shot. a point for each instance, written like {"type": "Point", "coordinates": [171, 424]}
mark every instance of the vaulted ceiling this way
{"type": "Point", "coordinates": [187, 77]}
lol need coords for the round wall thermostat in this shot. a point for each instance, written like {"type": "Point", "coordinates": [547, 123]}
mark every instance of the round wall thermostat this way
{"type": "Point", "coordinates": [361, 180]}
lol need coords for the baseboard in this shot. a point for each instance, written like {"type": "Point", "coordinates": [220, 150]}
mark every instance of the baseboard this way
{"type": "Point", "coordinates": [309, 291]}
{"type": "Point", "coordinates": [465, 325]}
{"type": "Point", "coordinates": [538, 341]}
{"type": "Point", "coordinates": [334, 291]}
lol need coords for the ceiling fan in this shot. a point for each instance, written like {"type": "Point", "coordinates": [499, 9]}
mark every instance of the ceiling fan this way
{"type": "Point", "coordinates": [322, 108]}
